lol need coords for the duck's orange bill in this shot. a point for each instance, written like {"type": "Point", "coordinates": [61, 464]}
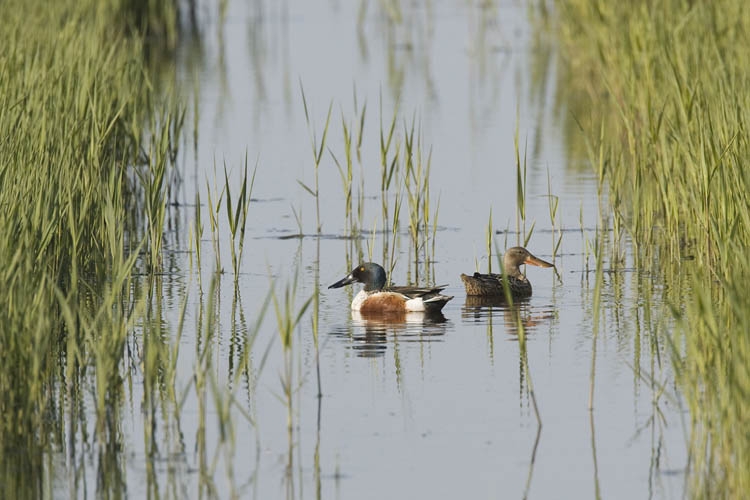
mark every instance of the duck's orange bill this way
{"type": "Point", "coordinates": [537, 262]}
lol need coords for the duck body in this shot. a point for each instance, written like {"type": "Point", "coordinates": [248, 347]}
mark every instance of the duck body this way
{"type": "Point", "coordinates": [493, 285]}
{"type": "Point", "coordinates": [377, 298]}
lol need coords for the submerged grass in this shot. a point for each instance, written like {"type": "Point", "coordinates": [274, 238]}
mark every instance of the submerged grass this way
{"type": "Point", "coordinates": [669, 86]}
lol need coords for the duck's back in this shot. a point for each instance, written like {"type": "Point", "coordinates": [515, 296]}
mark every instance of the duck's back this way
{"type": "Point", "coordinates": [492, 285]}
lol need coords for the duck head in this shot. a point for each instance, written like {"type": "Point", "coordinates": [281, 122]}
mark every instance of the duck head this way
{"type": "Point", "coordinates": [369, 273]}
{"type": "Point", "coordinates": [517, 256]}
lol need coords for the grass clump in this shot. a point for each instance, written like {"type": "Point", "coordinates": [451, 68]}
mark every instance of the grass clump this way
{"type": "Point", "coordinates": [83, 147]}
{"type": "Point", "coordinates": [662, 93]}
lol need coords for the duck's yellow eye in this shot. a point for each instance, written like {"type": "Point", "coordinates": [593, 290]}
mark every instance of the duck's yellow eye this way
{"type": "Point", "coordinates": [362, 268]}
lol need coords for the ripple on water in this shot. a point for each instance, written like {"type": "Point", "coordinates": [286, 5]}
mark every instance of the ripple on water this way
{"type": "Point", "coordinates": [369, 334]}
{"type": "Point", "coordinates": [497, 311]}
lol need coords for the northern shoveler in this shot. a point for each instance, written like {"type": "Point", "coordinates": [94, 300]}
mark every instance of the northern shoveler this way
{"type": "Point", "coordinates": [376, 298]}
{"type": "Point", "coordinates": [492, 284]}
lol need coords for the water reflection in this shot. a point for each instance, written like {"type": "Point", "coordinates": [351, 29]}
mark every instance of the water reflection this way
{"type": "Point", "coordinates": [245, 76]}
{"type": "Point", "coordinates": [369, 333]}
{"type": "Point", "coordinates": [519, 314]}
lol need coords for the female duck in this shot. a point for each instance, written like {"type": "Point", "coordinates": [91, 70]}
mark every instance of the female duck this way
{"type": "Point", "coordinates": [493, 284]}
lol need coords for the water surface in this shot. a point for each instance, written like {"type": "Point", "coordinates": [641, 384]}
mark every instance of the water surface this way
{"type": "Point", "coordinates": [413, 407]}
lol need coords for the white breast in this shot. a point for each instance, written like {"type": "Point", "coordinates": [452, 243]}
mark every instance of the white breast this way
{"type": "Point", "coordinates": [359, 299]}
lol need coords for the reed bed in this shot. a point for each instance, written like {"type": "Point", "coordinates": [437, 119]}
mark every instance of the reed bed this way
{"type": "Point", "coordinates": [661, 92]}
{"type": "Point", "coordinates": [404, 173]}
{"type": "Point", "coordinates": [84, 175]}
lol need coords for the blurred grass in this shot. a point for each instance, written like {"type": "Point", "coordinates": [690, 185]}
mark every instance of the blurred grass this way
{"type": "Point", "coordinates": [84, 141]}
{"type": "Point", "coordinates": [661, 93]}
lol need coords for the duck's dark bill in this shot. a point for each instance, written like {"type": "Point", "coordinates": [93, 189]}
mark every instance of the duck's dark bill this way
{"type": "Point", "coordinates": [343, 282]}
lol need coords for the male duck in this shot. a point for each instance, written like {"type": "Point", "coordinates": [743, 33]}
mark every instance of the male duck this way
{"type": "Point", "coordinates": [375, 298]}
{"type": "Point", "coordinates": [492, 284]}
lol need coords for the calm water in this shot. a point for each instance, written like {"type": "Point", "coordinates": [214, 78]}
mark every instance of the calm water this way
{"type": "Point", "coordinates": [417, 408]}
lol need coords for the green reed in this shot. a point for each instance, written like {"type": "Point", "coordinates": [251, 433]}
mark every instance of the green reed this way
{"type": "Point", "coordinates": [388, 167]}
{"type": "Point", "coordinates": [521, 174]}
{"type": "Point", "coordinates": [490, 239]}
{"type": "Point", "coordinates": [520, 186]}
{"type": "Point", "coordinates": [596, 309]}
{"type": "Point", "coordinates": [553, 202]}
{"type": "Point", "coordinates": [318, 147]}
{"type": "Point", "coordinates": [84, 163]}
{"type": "Point", "coordinates": [197, 237]}
{"type": "Point", "coordinates": [214, 209]}
{"type": "Point", "coordinates": [154, 180]}
{"type": "Point", "coordinates": [417, 183]}
{"type": "Point", "coordinates": [395, 229]}
{"type": "Point", "coordinates": [288, 317]}
{"type": "Point", "coordinates": [402, 157]}
{"type": "Point", "coordinates": [315, 321]}
{"type": "Point", "coordinates": [347, 177]}
{"type": "Point", "coordinates": [352, 136]}
{"type": "Point", "coordinates": [237, 216]}
{"type": "Point", "coordinates": [433, 236]}
{"type": "Point", "coordinates": [668, 86]}
{"type": "Point", "coordinates": [360, 134]}
{"type": "Point", "coordinates": [157, 20]}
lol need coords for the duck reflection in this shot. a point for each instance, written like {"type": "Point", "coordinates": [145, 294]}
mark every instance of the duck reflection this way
{"type": "Point", "coordinates": [486, 310]}
{"type": "Point", "coordinates": [370, 333]}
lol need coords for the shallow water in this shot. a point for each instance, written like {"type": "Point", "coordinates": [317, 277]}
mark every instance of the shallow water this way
{"type": "Point", "coordinates": [411, 407]}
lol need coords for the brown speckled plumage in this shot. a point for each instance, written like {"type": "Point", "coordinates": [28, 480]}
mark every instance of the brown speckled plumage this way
{"type": "Point", "coordinates": [492, 284]}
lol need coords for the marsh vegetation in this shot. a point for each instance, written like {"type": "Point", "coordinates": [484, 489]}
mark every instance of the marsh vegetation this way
{"type": "Point", "coordinates": [85, 163]}
{"type": "Point", "coordinates": [666, 89]}
{"type": "Point", "coordinates": [164, 330]}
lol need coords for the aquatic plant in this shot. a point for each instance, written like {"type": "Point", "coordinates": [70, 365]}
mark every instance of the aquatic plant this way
{"type": "Point", "coordinates": [237, 216]}
{"type": "Point", "coordinates": [668, 84]}
{"type": "Point", "coordinates": [85, 165]}
{"type": "Point", "coordinates": [417, 183]}
{"type": "Point", "coordinates": [156, 20]}
{"type": "Point", "coordinates": [352, 145]}
{"type": "Point", "coordinates": [288, 317]}
{"type": "Point", "coordinates": [402, 157]}
{"type": "Point", "coordinates": [318, 147]}
{"type": "Point", "coordinates": [490, 240]}
{"type": "Point", "coordinates": [197, 233]}
{"type": "Point", "coordinates": [214, 209]}
{"type": "Point", "coordinates": [554, 202]}
{"type": "Point", "coordinates": [389, 166]}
